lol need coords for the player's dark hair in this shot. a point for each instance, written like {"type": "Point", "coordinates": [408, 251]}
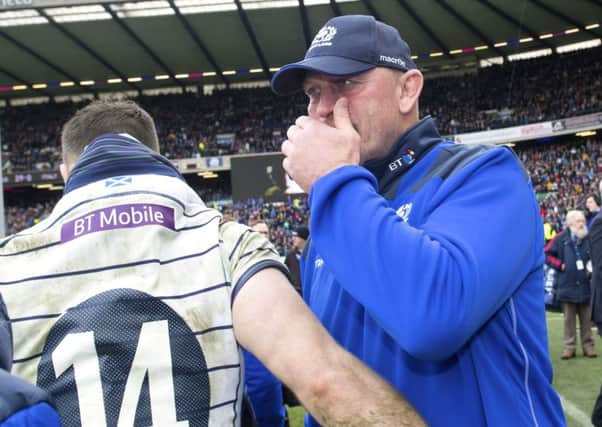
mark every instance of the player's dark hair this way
{"type": "Point", "coordinates": [101, 117]}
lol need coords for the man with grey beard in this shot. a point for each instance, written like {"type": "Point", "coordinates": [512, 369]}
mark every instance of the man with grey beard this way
{"type": "Point", "coordinates": [569, 254]}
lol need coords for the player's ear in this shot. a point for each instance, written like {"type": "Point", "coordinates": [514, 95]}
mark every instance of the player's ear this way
{"type": "Point", "coordinates": [65, 170]}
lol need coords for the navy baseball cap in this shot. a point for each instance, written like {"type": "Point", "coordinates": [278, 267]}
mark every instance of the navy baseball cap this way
{"type": "Point", "coordinates": [346, 45]}
{"type": "Point", "coordinates": [302, 232]}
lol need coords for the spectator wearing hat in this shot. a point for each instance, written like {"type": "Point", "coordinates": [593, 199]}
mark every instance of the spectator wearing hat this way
{"type": "Point", "coordinates": [300, 236]}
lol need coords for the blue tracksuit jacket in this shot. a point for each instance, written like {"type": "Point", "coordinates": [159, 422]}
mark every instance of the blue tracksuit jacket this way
{"type": "Point", "coordinates": [265, 393]}
{"type": "Point", "coordinates": [427, 265]}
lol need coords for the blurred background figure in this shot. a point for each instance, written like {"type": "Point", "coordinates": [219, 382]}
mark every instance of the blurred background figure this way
{"type": "Point", "coordinates": [300, 236]}
{"type": "Point", "coordinates": [569, 254]}
{"type": "Point", "coordinates": [592, 203]}
{"type": "Point", "coordinates": [261, 227]}
{"type": "Point", "coordinates": [595, 238]}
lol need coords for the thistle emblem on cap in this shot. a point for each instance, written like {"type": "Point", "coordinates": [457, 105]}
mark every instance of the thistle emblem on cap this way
{"type": "Point", "coordinates": [324, 37]}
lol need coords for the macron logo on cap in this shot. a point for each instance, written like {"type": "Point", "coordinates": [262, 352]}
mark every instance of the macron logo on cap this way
{"type": "Point", "coordinates": [324, 37]}
{"type": "Point", "coordinates": [393, 60]}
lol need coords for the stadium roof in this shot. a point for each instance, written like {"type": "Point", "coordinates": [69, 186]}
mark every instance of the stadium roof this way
{"type": "Point", "coordinates": [54, 47]}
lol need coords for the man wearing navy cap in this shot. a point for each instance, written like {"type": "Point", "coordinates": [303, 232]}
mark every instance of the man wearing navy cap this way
{"type": "Point", "coordinates": [426, 256]}
{"type": "Point", "coordinates": [300, 236]}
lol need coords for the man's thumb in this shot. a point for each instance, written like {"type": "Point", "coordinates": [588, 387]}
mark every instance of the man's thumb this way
{"type": "Point", "coordinates": [341, 114]}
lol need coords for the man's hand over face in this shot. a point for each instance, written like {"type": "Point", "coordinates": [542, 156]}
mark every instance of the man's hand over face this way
{"type": "Point", "coordinates": [314, 148]}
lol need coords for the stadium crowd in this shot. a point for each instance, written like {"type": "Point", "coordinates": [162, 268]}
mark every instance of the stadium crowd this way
{"type": "Point", "coordinates": [24, 215]}
{"type": "Point", "coordinates": [237, 121]}
{"type": "Point", "coordinates": [564, 174]}
{"type": "Point", "coordinates": [283, 217]}
{"type": "Point", "coordinates": [565, 171]}
{"type": "Point", "coordinates": [517, 93]}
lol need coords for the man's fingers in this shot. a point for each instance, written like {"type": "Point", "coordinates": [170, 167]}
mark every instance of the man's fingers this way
{"type": "Point", "coordinates": [302, 121]}
{"type": "Point", "coordinates": [292, 131]}
{"type": "Point", "coordinates": [286, 165]}
{"type": "Point", "coordinates": [341, 114]}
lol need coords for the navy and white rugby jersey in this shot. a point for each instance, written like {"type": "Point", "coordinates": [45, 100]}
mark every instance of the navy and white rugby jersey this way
{"type": "Point", "coordinates": [120, 304]}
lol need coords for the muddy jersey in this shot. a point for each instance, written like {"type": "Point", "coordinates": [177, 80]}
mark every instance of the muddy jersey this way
{"type": "Point", "coordinates": [120, 304]}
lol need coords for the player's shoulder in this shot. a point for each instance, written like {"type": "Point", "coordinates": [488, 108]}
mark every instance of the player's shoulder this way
{"type": "Point", "coordinates": [239, 238]}
{"type": "Point", "coordinates": [234, 230]}
{"type": "Point", "coordinates": [38, 236]}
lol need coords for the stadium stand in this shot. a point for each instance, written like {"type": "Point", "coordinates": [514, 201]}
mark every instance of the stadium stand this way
{"type": "Point", "coordinates": [193, 126]}
{"type": "Point", "coordinates": [515, 93]}
{"type": "Point", "coordinates": [563, 174]}
{"type": "Point", "coordinates": [21, 217]}
{"type": "Point", "coordinates": [190, 126]}
{"type": "Point", "coordinates": [187, 125]}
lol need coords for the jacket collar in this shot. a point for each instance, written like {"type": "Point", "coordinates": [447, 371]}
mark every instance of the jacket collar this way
{"type": "Point", "coordinates": [412, 145]}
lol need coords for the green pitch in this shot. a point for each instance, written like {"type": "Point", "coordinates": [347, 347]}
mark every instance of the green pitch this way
{"type": "Point", "coordinates": [295, 416]}
{"type": "Point", "coordinates": [577, 380]}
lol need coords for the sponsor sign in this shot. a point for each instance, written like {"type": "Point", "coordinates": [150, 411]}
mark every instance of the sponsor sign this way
{"type": "Point", "coordinates": [583, 121]}
{"type": "Point", "coordinates": [214, 162]}
{"type": "Point", "coordinates": [532, 131]}
{"type": "Point", "coordinates": [225, 139]}
{"type": "Point", "coordinates": [496, 136]}
{"type": "Point", "coordinates": [536, 130]}
{"type": "Point", "coordinates": [120, 216]}
{"type": "Point", "coordinates": [33, 177]}
{"type": "Point", "coordinates": [558, 126]}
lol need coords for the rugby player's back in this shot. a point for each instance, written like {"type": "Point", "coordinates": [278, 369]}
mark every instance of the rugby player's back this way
{"type": "Point", "coordinates": [120, 304]}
